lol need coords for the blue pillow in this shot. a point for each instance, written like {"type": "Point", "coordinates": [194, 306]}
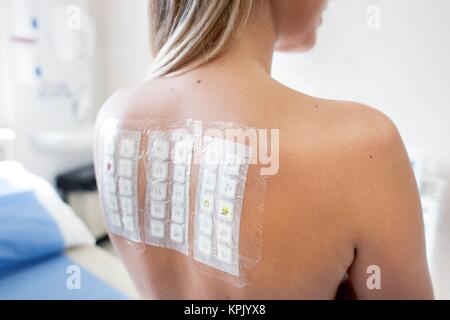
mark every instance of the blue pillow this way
{"type": "Point", "coordinates": [27, 231]}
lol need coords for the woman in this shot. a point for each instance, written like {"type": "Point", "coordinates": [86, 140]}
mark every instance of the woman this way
{"type": "Point", "coordinates": [343, 209]}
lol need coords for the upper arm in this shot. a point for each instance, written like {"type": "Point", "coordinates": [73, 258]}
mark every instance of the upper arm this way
{"type": "Point", "coordinates": [388, 225]}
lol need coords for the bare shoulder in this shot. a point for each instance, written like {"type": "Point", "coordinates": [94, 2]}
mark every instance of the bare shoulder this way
{"type": "Point", "coordinates": [354, 154]}
{"type": "Point", "coordinates": [362, 174]}
{"type": "Point", "coordinates": [345, 132]}
{"type": "Point", "coordinates": [366, 138]}
{"type": "Point", "coordinates": [118, 105]}
{"type": "Point", "coordinates": [372, 170]}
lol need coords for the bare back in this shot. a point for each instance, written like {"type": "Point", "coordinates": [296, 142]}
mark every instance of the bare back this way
{"type": "Point", "coordinates": [343, 178]}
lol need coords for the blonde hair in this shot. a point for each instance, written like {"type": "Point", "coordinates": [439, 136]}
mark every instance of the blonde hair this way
{"type": "Point", "coordinates": [187, 33]}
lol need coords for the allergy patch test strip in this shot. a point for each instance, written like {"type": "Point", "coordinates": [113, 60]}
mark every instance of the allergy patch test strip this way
{"type": "Point", "coordinates": [167, 196]}
{"type": "Point", "coordinates": [220, 192]}
{"type": "Point", "coordinates": [120, 178]}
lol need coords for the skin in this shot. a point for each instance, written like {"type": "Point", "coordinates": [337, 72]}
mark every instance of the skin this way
{"type": "Point", "coordinates": [344, 198]}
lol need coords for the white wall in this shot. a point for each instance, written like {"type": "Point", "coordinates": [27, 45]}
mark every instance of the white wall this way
{"type": "Point", "coordinates": [403, 69]}
{"type": "Point", "coordinates": [4, 97]}
{"type": "Point", "coordinates": [123, 42]}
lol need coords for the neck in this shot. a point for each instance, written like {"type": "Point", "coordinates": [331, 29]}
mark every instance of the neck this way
{"type": "Point", "coordinates": [253, 49]}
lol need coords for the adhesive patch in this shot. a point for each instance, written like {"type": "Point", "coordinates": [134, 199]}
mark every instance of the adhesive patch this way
{"type": "Point", "coordinates": [157, 229]}
{"type": "Point", "coordinates": [169, 156]}
{"type": "Point", "coordinates": [119, 188]}
{"type": "Point", "coordinates": [220, 189]}
{"type": "Point", "coordinates": [158, 210]}
{"type": "Point", "coordinates": [158, 156]}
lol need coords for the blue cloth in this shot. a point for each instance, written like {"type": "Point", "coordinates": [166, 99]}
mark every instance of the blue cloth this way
{"type": "Point", "coordinates": [32, 263]}
{"type": "Point", "coordinates": [27, 231]}
{"type": "Point", "coordinates": [46, 279]}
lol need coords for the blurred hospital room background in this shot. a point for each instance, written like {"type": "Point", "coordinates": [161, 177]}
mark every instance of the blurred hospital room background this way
{"type": "Point", "coordinates": [61, 59]}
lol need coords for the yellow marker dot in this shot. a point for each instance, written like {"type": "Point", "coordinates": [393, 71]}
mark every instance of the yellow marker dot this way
{"type": "Point", "coordinates": [225, 211]}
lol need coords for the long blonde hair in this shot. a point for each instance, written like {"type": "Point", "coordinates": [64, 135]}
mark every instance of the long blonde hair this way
{"type": "Point", "coordinates": [187, 33]}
